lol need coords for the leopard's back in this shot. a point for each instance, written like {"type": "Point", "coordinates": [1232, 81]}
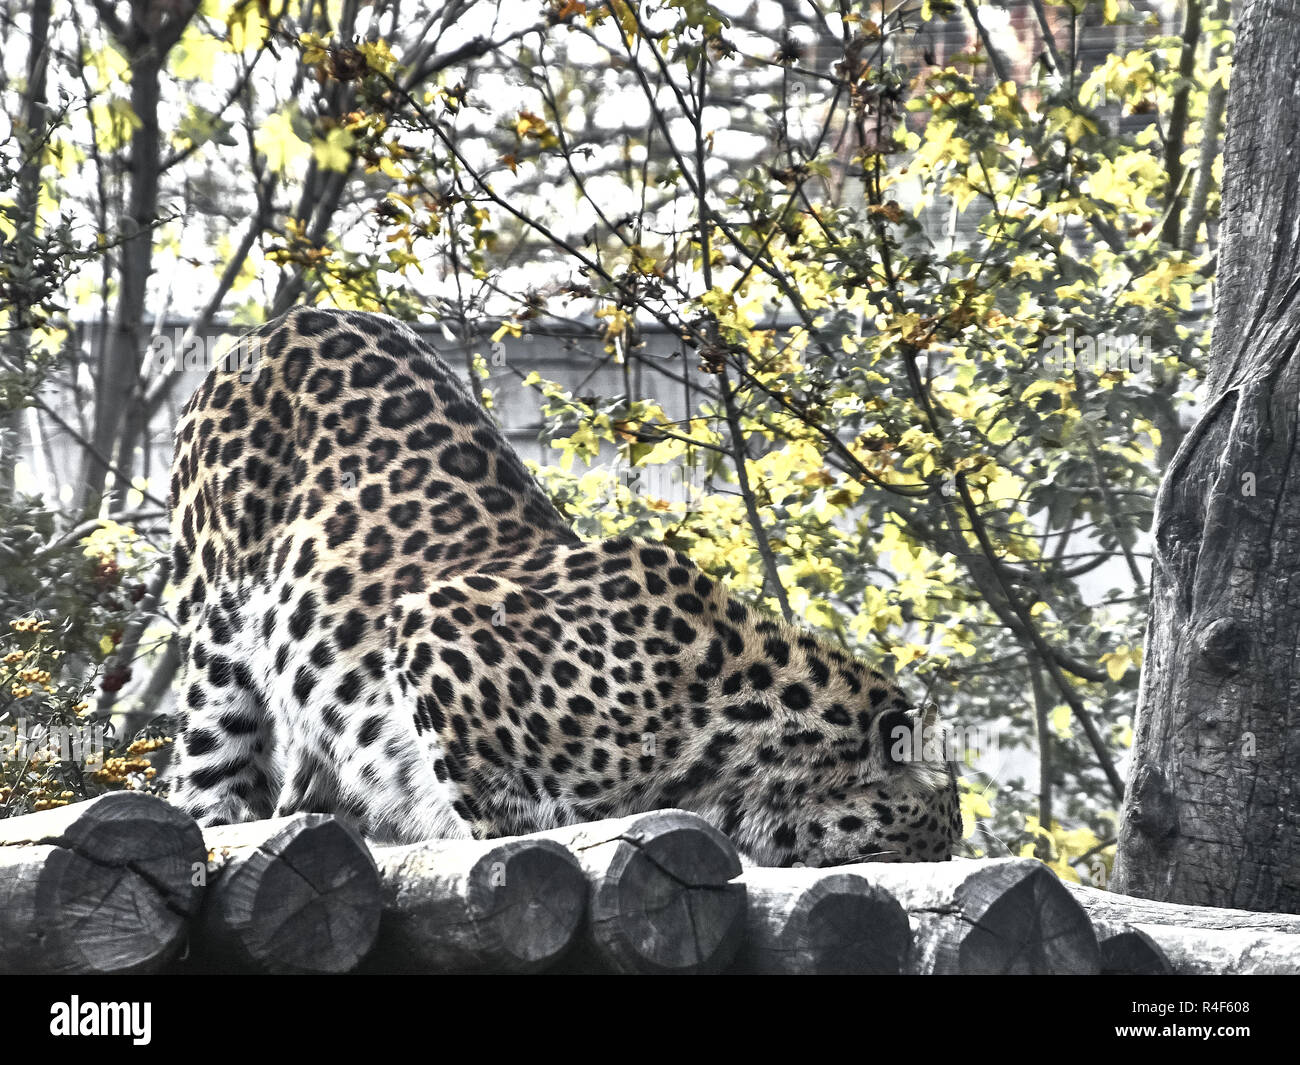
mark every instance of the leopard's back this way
{"type": "Point", "coordinates": [334, 466]}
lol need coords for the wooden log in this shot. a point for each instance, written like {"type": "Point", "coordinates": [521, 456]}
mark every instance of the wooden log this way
{"type": "Point", "coordinates": [295, 894]}
{"type": "Point", "coordinates": [104, 886]}
{"type": "Point", "coordinates": [662, 894]}
{"type": "Point", "coordinates": [1006, 915]}
{"type": "Point", "coordinates": [1119, 909]}
{"type": "Point", "coordinates": [1128, 951]}
{"type": "Point", "coordinates": [822, 921]}
{"type": "Point", "coordinates": [1224, 951]}
{"type": "Point", "coordinates": [513, 905]}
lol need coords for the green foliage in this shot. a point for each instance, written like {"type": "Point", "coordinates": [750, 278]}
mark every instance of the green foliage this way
{"type": "Point", "coordinates": [67, 601]}
{"type": "Point", "coordinates": [68, 591]}
{"type": "Point", "coordinates": [926, 478]}
{"type": "Point", "coordinates": [36, 263]}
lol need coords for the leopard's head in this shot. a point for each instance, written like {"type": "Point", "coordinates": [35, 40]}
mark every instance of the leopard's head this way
{"type": "Point", "coordinates": [880, 791]}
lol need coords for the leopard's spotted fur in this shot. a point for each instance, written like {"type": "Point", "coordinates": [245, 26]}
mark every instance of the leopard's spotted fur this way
{"type": "Point", "coordinates": [383, 616]}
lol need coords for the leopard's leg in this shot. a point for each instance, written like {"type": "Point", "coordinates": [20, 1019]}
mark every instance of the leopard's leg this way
{"type": "Point", "coordinates": [221, 774]}
{"type": "Point", "coordinates": [346, 735]}
{"type": "Point", "coordinates": [355, 752]}
{"type": "Point", "coordinates": [397, 770]}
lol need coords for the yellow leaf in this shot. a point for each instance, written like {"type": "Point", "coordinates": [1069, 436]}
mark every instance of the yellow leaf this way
{"type": "Point", "coordinates": [314, 49]}
{"type": "Point", "coordinates": [387, 166]}
{"type": "Point", "coordinates": [114, 121]}
{"type": "Point", "coordinates": [664, 451]}
{"type": "Point", "coordinates": [195, 55]}
{"type": "Point", "coordinates": [331, 152]}
{"type": "Point", "coordinates": [248, 27]}
{"type": "Point", "coordinates": [1116, 662]}
{"type": "Point", "coordinates": [277, 140]}
{"type": "Point", "coordinates": [379, 57]}
{"type": "Point", "coordinates": [108, 64]}
{"type": "Point", "coordinates": [974, 806]}
{"type": "Point", "coordinates": [1061, 718]}
{"type": "Point", "coordinates": [529, 125]}
{"type": "Point", "coordinates": [908, 653]}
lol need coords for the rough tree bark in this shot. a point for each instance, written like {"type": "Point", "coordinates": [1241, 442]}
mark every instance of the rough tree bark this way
{"type": "Point", "coordinates": [1212, 812]}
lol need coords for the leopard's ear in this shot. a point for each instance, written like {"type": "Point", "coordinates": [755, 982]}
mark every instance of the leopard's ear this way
{"type": "Point", "coordinates": [930, 715]}
{"type": "Point", "coordinates": [901, 734]}
{"type": "Point", "coordinates": [913, 741]}
{"type": "Point", "coordinates": [937, 763]}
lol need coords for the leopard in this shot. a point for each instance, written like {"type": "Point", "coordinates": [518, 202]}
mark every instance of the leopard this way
{"type": "Point", "coordinates": [382, 616]}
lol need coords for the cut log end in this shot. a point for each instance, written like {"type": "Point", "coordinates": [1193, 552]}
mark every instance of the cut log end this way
{"type": "Point", "coordinates": [1006, 915]}
{"type": "Point", "coordinates": [1023, 921]}
{"type": "Point", "coordinates": [533, 896]}
{"type": "Point", "coordinates": [663, 895]}
{"type": "Point", "coordinates": [822, 921]}
{"type": "Point", "coordinates": [671, 895]}
{"type": "Point", "coordinates": [852, 934]}
{"type": "Point", "coordinates": [1132, 953]}
{"type": "Point", "coordinates": [105, 886]}
{"type": "Point", "coordinates": [511, 905]}
{"type": "Point", "coordinates": [302, 897]}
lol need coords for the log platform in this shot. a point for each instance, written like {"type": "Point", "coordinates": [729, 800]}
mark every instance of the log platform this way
{"type": "Point", "coordinates": [128, 884]}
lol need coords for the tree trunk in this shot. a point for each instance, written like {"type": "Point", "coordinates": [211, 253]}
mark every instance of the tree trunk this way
{"type": "Point", "coordinates": [27, 197]}
{"type": "Point", "coordinates": [1212, 812]}
{"type": "Point", "coordinates": [146, 39]}
{"type": "Point", "coordinates": [118, 385]}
